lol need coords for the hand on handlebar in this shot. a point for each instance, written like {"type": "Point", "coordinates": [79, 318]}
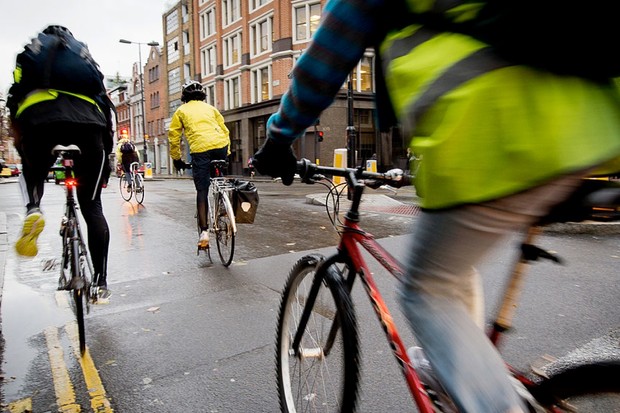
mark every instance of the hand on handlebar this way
{"type": "Point", "coordinates": [394, 178]}
{"type": "Point", "coordinates": [276, 160]}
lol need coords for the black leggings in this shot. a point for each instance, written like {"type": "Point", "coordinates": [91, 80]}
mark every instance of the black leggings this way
{"type": "Point", "coordinates": [37, 158]}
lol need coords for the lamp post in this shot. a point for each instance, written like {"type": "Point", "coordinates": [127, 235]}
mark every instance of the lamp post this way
{"type": "Point", "coordinates": [141, 89]}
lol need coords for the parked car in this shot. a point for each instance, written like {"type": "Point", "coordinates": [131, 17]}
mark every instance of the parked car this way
{"type": "Point", "coordinates": [15, 169]}
{"type": "Point", "coordinates": [9, 170]}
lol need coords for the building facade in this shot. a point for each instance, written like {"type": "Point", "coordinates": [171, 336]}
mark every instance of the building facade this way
{"type": "Point", "coordinates": [156, 98]}
{"type": "Point", "coordinates": [243, 51]}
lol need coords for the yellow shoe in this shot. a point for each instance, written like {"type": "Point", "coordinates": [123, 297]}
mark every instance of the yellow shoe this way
{"type": "Point", "coordinates": [203, 242]}
{"type": "Point", "coordinates": [33, 225]}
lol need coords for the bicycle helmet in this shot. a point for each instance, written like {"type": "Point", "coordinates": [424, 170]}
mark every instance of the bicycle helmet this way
{"type": "Point", "coordinates": [192, 90]}
{"type": "Point", "coordinates": [57, 30]}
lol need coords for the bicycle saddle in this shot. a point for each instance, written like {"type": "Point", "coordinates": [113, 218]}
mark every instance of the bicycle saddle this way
{"type": "Point", "coordinates": [61, 148]}
{"type": "Point", "coordinates": [592, 193]}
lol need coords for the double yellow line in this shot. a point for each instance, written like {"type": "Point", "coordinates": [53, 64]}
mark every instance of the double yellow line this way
{"type": "Point", "coordinates": [63, 387]}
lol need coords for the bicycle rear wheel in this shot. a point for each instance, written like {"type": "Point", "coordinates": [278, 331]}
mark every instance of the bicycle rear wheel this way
{"type": "Point", "coordinates": [139, 187]}
{"type": "Point", "coordinates": [323, 374]}
{"type": "Point", "coordinates": [125, 188]}
{"type": "Point", "coordinates": [592, 388]}
{"type": "Point", "coordinates": [224, 232]}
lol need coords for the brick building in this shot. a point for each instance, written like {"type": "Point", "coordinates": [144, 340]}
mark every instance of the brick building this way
{"type": "Point", "coordinates": [242, 51]}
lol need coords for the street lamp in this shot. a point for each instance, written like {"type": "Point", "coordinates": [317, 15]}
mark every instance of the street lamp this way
{"type": "Point", "coordinates": [141, 89]}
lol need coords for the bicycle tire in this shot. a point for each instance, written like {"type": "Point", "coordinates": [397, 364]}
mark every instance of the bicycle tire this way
{"type": "Point", "coordinates": [224, 232]}
{"type": "Point", "coordinates": [138, 185]}
{"type": "Point", "coordinates": [592, 388]}
{"type": "Point", "coordinates": [322, 378]}
{"type": "Point", "coordinates": [78, 287]}
{"type": "Point", "coordinates": [122, 183]}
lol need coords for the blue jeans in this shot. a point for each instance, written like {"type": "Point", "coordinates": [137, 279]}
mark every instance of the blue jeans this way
{"type": "Point", "coordinates": [442, 294]}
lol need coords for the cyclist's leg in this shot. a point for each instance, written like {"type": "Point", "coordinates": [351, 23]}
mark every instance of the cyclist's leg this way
{"type": "Point", "coordinates": [127, 169]}
{"type": "Point", "coordinates": [88, 168]}
{"type": "Point", "coordinates": [34, 149]}
{"type": "Point", "coordinates": [202, 180]}
{"type": "Point", "coordinates": [446, 246]}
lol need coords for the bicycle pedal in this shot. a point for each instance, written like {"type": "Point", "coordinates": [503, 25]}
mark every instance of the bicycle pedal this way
{"type": "Point", "coordinates": [539, 366]}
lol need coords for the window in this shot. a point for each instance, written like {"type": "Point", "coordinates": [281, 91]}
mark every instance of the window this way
{"type": "Point", "coordinates": [232, 90]}
{"type": "Point", "coordinates": [172, 22]}
{"type": "Point", "coordinates": [185, 13]}
{"type": "Point", "coordinates": [187, 74]}
{"type": "Point", "coordinates": [174, 81]}
{"type": "Point", "coordinates": [186, 48]}
{"type": "Point", "coordinates": [261, 33]}
{"type": "Point", "coordinates": [154, 74]}
{"type": "Point", "coordinates": [173, 50]}
{"type": "Point", "coordinates": [255, 4]}
{"type": "Point", "coordinates": [208, 60]}
{"type": "Point", "coordinates": [155, 102]}
{"type": "Point", "coordinates": [232, 49]}
{"type": "Point", "coordinates": [306, 19]}
{"type": "Point", "coordinates": [231, 11]}
{"type": "Point", "coordinates": [210, 90]}
{"type": "Point", "coordinates": [362, 75]}
{"type": "Point", "coordinates": [207, 23]}
{"type": "Point", "coordinates": [261, 84]}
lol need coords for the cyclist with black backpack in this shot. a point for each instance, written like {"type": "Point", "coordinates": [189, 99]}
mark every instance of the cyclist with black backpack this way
{"type": "Point", "coordinates": [126, 154]}
{"type": "Point", "coordinates": [58, 97]}
{"type": "Point", "coordinates": [507, 104]}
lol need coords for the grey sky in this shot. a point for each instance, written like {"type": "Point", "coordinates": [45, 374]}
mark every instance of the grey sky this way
{"type": "Point", "coordinates": [98, 23]}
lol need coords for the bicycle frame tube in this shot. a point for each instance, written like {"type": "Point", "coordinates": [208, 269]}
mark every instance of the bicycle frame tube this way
{"type": "Point", "coordinates": [353, 236]}
{"type": "Point", "coordinates": [350, 254]}
{"type": "Point", "coordinates": [71, 214]}
{"type": "Point", "coordinates": [220, 187]}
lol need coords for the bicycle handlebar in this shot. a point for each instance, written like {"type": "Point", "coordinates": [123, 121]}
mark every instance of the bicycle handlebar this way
{"type": "Point", "coordinates": [311, 173]}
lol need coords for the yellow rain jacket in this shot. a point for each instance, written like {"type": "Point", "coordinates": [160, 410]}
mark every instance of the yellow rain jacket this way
{"type": "Point", "coordinates": [203, 126]}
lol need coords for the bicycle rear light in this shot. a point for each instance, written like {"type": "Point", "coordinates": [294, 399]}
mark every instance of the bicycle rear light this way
{"type": "Point", "coordinates": [71, 182]}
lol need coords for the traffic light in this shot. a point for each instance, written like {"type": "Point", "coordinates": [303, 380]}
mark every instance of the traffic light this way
{"type": "Point", "coordinates": [319, 135]}
{"type": "Point", "coordinates": [124, 132]}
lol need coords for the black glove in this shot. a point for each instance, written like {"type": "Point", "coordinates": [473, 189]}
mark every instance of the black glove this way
{"type": "Point", "coordinates": [276, 160]}
{"type": "Point", "coordinates": [179, 164]}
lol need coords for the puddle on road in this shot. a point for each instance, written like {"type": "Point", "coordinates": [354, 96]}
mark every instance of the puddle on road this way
{"type": "Point", "coordinates": [28, 307]}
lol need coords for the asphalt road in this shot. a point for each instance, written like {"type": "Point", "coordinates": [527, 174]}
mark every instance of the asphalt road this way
{"type": "Point", "coordinates": [184, 334]}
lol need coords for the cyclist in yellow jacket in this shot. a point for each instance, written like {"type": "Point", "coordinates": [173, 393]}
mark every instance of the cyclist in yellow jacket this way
{"type": "Point", "coordinates": [208, 139]}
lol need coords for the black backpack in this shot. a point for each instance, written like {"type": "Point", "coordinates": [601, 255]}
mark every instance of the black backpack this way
{"type": "Point", "coordinates": [566, 37]}
{"type": "Point", "coordinates": [563, 36]}
{"type": "Point", "coordinates": [59, 61]}
{"type": "Point", "coordinates": [127, 147]}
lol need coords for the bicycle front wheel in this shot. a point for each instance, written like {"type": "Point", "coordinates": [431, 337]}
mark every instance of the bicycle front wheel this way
{"type": "Point", "coordinates": [224, 231]}
{"type": "Point", "coordinates": [139, 187]}
{"type": "Point", "coordinates": [125, 188]}
{"type": "Point", "coordinates": [591, 388]}
{"type": "Point", "coordinates": [322, 373]}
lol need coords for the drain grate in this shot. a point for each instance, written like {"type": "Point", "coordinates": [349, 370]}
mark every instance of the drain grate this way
{"type": "Point", "coordinates": [404, 209]}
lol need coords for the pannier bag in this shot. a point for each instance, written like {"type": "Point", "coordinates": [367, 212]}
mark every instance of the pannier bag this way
{"type": "Point", "coordinates": [245, 201]}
